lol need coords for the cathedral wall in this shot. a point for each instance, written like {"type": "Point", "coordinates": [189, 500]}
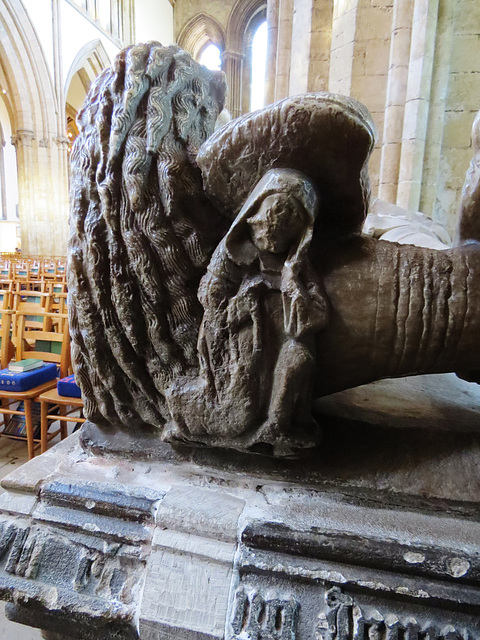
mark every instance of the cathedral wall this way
{"type": "Point", "coordinates": [46, 47]}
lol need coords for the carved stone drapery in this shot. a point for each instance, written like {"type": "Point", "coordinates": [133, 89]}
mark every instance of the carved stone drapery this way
{"type": "Point", "coordinates": [259, 297]}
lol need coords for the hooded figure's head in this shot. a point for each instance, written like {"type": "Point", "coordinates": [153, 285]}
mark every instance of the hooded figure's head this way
{"type": "Point", "coordinates": [278, 217]}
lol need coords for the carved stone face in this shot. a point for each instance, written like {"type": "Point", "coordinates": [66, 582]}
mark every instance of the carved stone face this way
{"type": "Point", "coordinates": [277, 225]}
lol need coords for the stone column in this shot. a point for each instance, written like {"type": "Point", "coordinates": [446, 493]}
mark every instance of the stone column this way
{"type": "Point", "coordinates": [285, 21]}
{"type": "Point", "coordinates": [395, 102]}
{"type": "Point", "coordinates": [23, 141]}
{"type": "Point", "coordinates": [280, 19]}
{"type": "Point", "coordinates": [417, 103]}
{"type": "Point", "coordinates": [320, 45]}
{"type": "Point", "coordinates": [311, 40]}
{"type": "Point", "coordinates": [300, 51]}
{"type": "Point", "coordinates": [436, 199]}
{"type": "Point", "coordinates": [57, 65]}
{"type": "Point", "coordinates": [232, 64]}
{"type": "Point", "coordinates": [272, 48]}
{"type": "Point", "coordinates": [343, 40]}
{"type": "Point", "coordinates": [3, 191]}
{"type": "Point", "coordinates": [42, 193]}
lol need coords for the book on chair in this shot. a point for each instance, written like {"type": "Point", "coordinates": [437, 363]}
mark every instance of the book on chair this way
{"type": "Point", "coordinates": [25, 365]}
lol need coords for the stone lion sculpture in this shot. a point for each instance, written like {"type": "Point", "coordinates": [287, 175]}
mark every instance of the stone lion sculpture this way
{"type": "Point", "coordinates": [219, 282]}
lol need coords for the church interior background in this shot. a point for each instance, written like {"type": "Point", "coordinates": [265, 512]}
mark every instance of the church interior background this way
{"type": "Point", "coordinates": [413, 63]}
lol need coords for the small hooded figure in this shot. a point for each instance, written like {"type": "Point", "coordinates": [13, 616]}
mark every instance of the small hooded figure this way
{"type": "Point", "coordinates": [262, 305]}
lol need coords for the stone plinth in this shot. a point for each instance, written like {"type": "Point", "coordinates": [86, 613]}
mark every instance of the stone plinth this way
{"type": "Point", "coordinates": [98, 543]}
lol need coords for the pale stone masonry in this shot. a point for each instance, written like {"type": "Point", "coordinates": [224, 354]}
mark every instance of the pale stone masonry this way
{"type": "Point", "coordinates": [414, 63]}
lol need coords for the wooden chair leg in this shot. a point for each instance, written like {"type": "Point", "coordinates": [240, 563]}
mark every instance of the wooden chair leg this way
{"type": "Point", "coordinates": [29, 424]}
{"type": "Point", "coordinates": [43, 425]}
{"type": "Point", "coordinates": [63, 425]}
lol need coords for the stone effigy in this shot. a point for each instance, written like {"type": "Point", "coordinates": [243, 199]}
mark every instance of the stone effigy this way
{"type": "Point", "coordinates": [218, 283]}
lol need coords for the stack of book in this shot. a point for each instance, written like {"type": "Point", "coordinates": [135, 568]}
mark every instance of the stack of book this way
{"type": "Point", "coordinates": [25, 365]}
{"type": "Point", "coordinates": [16, 425]}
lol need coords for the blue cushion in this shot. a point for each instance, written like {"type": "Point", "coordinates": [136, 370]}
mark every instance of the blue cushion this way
{"type": "Point", "coordinates": [68, 387]}
{"type": "Point", "coordinates": [12, 381]}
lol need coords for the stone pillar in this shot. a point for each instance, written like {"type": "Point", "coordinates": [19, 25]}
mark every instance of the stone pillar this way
{"type": "Point", "coordinates": [300, 51]}
{"type": "Point", "coordinates": [454, 101]}
{"type": "Point", "coordinates": [42, 193]}
{"type": "Point", "coordinates": [57, 65]}
{"type": "Point", "coordinates": [320, 45]}
{"type": "Point", "coordinates": [434, 200]}
{"type": "Point", "coordinates": [3, 202]}
{"type": "Point", "coordinates": [311, 44]}
{"type": "Point", "coordinates": [280, 19]}
{"type": "Point", "coordinates": [232, 64]}
{"type": "Point", "coordinates": [285, 21]}
{"type": "Point", "coordinates": [417, 103]}
{"type": "Point", "coordinates": [370, 60]}
{"type": "Point", "coordinates": [23, 140]}
{"type": "Point", "coordinates": [272, 48]}
{"type": "Point", "coordinates": [343, 40]}
{"type": "Point", "coordinates": [395, 103]}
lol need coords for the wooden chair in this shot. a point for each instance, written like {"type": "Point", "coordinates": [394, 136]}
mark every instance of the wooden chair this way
{"type": "Point", "coordinates": [7, 348]}
{"type": "Point", "coordinates": [26, 347]}
{"type": "Point", "coordinates": [65, 406]}
{"type": "Point", "coordinates": [30, 285]}
{"type": "Point", "coordinates": [36, 308]}
{"type": "Point", "coordinates": [6, 270]}
{"type": "Point", "coordinates": [5, 299]}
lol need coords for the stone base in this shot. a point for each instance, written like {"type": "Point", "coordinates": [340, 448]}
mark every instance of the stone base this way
{"type": "Point", "coordinates": [97, 543]}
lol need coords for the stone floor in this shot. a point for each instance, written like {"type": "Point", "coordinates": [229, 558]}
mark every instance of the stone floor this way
{"type": "Point", "coordinates": [13, 453]}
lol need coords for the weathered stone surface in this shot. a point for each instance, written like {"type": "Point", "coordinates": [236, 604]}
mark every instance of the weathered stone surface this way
{"type": "Point", "coordinates": [437, 402]}
{"type": "Point", "coordinates": [230, 554]}
{"type": "Point", "coordinates": [212, 313]}
{"type": "Point", "coordinates": [209, 315]}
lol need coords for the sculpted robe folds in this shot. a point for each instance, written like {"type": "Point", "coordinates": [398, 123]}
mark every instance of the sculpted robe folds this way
{"type": "Point", "coordinates": [262, 304]}
{"type": "Point", "coordinates": [219, 282]}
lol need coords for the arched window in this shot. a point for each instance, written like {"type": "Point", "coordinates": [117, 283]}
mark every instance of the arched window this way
{"type": "Point", "coordinates": [243, 23]}
{"type": "Point", "coordinates": [259, 62]}
{"type": "Point", "coordinates": [210, 57]}
{"type": "Point", "coordinates": [200, 34]}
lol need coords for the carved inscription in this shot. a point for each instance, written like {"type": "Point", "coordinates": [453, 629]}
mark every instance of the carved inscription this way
{"type": "Point", "coordinates": [345, 620]}
{"type": "Point", "coordinates": [52, 559]}
{"type": "Point", "coordinates": [261, 615]}
{"type": "Point", "coordinates": [22, 553]}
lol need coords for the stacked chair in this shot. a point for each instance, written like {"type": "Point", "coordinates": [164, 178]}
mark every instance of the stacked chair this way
{"type": "Point", "coordinates": [34, 324]}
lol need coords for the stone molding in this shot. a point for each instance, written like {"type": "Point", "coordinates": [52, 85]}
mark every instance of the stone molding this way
{"type": "Point", "coordinates": [61, 141]}
{"type": "Point", "coordinates": [213, 553]}
{"type": "Point", "coordinates": [23, 137]}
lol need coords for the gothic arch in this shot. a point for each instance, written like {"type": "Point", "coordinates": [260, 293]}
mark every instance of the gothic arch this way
{"type": "Point", "coordinates": [201, 30]}
{"type": "Point", "coordinates": [37, 132]}
{"type": "Point", "coordinates": [243, 12]}
{"type": "Point", "coordinates": [28, 84]}
{"type": "Point", "coordinates": [245, 17]}
{"type": "Point", "coordinates": [93, 58]}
